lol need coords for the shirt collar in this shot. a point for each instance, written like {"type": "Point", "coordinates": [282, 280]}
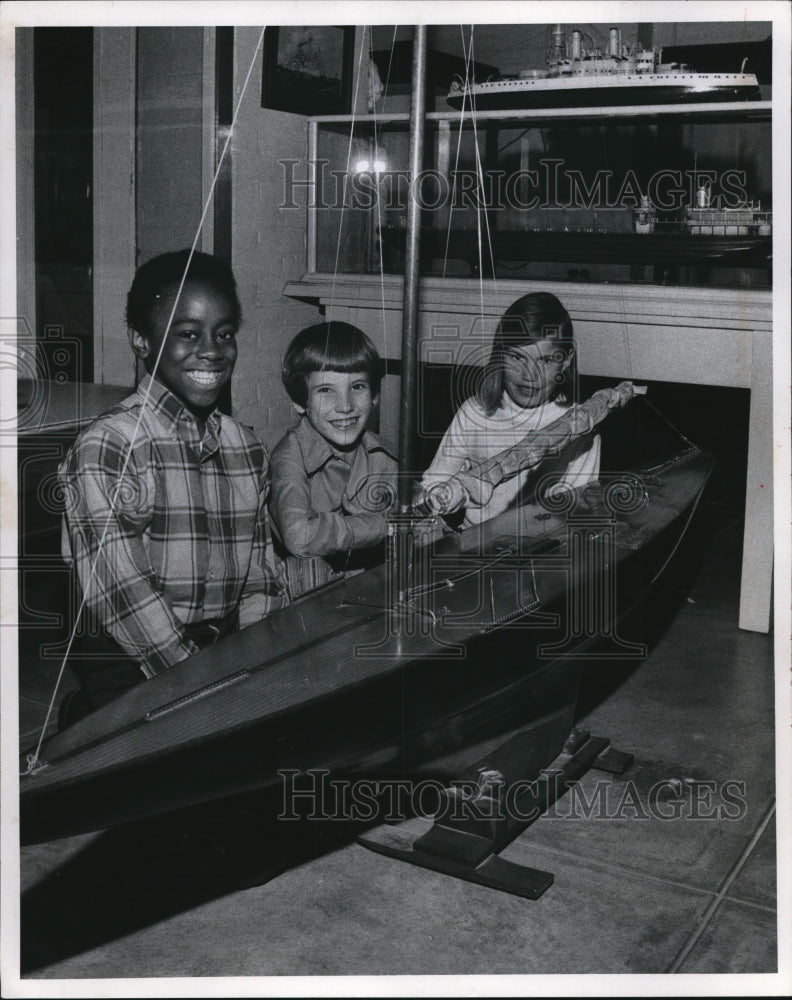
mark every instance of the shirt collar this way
{"type": "Point", "coordinates": [317, 451]}
{"type": "Point", "coordinates": [170, 411]}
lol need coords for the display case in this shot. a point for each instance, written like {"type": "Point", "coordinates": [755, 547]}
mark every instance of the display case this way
{"type": "Point", "coordinates": [661, 194]}
{"type": "Point", "coordinates": [674, 290]}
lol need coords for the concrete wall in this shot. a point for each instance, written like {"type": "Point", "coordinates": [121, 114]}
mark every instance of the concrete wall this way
{"type": "Point", "coordinates": [174, 129]}
{"type": "Point", "coordinates": [169, 138]}
{"type": "Point", "coordinates": [268, 248]}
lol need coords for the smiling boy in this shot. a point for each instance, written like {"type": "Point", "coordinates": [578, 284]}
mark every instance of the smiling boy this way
{"type": "Point", "coordinates": [165, 519]}
{"type": "Point", "coordinates": [333, 480]}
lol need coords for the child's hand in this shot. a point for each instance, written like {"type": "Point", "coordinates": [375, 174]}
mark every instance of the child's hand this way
{"type": "Point", "coordinates": [440, 498]}
{"type": "Point", "coordinates": [450, 496]}
{"type": "Point", "coordinates": [619, 396]}
{"type": "Point", "coordinates": [583, 417]}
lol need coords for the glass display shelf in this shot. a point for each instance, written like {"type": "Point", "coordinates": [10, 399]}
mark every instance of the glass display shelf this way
{"type": "Point", "coordinates": [662, 194]}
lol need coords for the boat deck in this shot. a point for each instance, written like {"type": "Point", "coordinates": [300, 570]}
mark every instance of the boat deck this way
{"type": "Point", "coordinates": [631, 894]}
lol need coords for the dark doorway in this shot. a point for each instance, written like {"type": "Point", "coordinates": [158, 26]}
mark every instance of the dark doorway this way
{"type": "Point", "coordinates": [63, 88]}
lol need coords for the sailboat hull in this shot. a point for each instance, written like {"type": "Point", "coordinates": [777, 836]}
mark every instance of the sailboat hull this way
{"type": "Point", "coordinates": [337, 682]}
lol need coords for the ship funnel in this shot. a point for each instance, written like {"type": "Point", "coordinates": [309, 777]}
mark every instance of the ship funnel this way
{"type": "Point", "coordinates": [614, 43]}
{"type": "Point", "coordinates": [576, 45]}
{"type": "Point", "coordinates": [559, 47]}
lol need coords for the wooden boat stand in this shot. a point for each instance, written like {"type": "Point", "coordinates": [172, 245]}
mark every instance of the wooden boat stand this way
{"type": "Point", "coordinates": [470, 829]}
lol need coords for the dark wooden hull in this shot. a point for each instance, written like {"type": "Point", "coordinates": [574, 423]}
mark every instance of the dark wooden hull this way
{"type": "Point", "coordinates": [328, 683]}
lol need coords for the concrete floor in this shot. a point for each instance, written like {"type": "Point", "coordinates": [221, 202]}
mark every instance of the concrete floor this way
{"type": "Point", "coordinates": [634, 892]}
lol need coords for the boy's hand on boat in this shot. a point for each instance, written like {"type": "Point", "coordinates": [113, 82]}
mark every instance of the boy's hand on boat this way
{"type": "Point", "coordinates": [456, 492]}
{"type": "Point", "coordinates": [440, 498]}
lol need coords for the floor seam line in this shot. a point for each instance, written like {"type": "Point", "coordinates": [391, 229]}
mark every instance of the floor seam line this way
{"type": "Point", "coordinates": [603, 866]}
{"type": "Point", "coordinates": [712, 909]}
{"type": "Point", "coordinates": [764, 907]}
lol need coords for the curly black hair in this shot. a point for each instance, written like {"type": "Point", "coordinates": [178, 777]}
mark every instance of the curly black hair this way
{"type": "Point", "coordinates": [166, 271]}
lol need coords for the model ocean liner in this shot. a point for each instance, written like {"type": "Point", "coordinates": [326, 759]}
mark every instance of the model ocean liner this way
{"type": "Point", "coordinates": [577, 76]}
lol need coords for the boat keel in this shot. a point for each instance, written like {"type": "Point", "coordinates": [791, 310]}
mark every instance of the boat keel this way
{"type": "Point", "coordinates": [472, 827]}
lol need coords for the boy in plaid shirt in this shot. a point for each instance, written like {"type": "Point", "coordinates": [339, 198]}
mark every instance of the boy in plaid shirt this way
{"type": "Point", "coordinates": [165, 520]}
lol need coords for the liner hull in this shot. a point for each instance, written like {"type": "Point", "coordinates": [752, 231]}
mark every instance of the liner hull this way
{"type": "Point", "coordinates": [600, 90]}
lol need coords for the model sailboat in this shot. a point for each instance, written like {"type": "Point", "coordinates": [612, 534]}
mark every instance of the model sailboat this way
{"type": "Point", "coordinates": [456, 640]}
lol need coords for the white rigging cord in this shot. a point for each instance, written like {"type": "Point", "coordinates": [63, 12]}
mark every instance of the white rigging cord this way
{"type": "Point", "coordinates": [481, 188]}
{"type": "Point", "coordinates": [377, 136]}
{"type": "Point", "coordinates": [33, 759]}
{"type": "Point", "coordinates": [346, 173]}
{"type": "Point", "coordinates": [467, 58]}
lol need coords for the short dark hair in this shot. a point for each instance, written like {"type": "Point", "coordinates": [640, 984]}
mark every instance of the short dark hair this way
{"type": "Point", "coordinates": [329, 347]}
{"type": "Point", "coordinates": [533, 317]}
{"type": "Point", "coordinates": [166, 270]}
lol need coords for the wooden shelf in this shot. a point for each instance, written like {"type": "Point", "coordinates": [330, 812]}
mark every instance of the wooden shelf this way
{"type": "Point", "coordinates": [747, 111]}
{"type": "Point", "coordinates": [592, 247]}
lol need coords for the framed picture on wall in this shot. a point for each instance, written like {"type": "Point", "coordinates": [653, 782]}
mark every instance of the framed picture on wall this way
{"type": "Point", "coordinates": [308, 70]}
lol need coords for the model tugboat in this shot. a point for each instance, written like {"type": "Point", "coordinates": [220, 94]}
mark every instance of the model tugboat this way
{"type": "Point", "coordinates": [581, 76]}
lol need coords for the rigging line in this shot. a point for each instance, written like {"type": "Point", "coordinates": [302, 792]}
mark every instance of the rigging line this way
{"type": "Point", "coordinates": [377, 136]}
{"type": "Point", "coordinates": [480, 174]}
{"type": "Point", "coordinates": [34, 757]}
{"type": "Point", "coordinates": [452, 192]}
{"type": "Point", "coordinates": [346, 173]}
{"type": "Point", "coordinates": [680, 537]}
{"type": "Point", "coordinates": [477, 162]}
{"type": "Point", "coordinates": [517, 138]}
{"type": "Point", "coordinates": [468, 52]}
{"type": "Point", "coordinates": [467, 57]}
{"type": "Point", "coordinates": [625, 326]}
{"type": "Point", "coordinates": [670, 424]}
{"type": "Point", "coordinates": [626, 332]}
{"type": "Point", "coordinates": [480, 178]}
{"type": "Point", "coordinates": [390, 60]}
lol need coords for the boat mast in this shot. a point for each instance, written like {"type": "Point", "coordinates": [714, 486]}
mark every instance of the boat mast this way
{"type": "Point", "coordinates": [409, 378]}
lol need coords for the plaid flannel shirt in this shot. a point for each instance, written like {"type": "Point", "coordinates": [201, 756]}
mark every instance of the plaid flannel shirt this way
{"type": "Point", "coordinates": [180, 537]}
